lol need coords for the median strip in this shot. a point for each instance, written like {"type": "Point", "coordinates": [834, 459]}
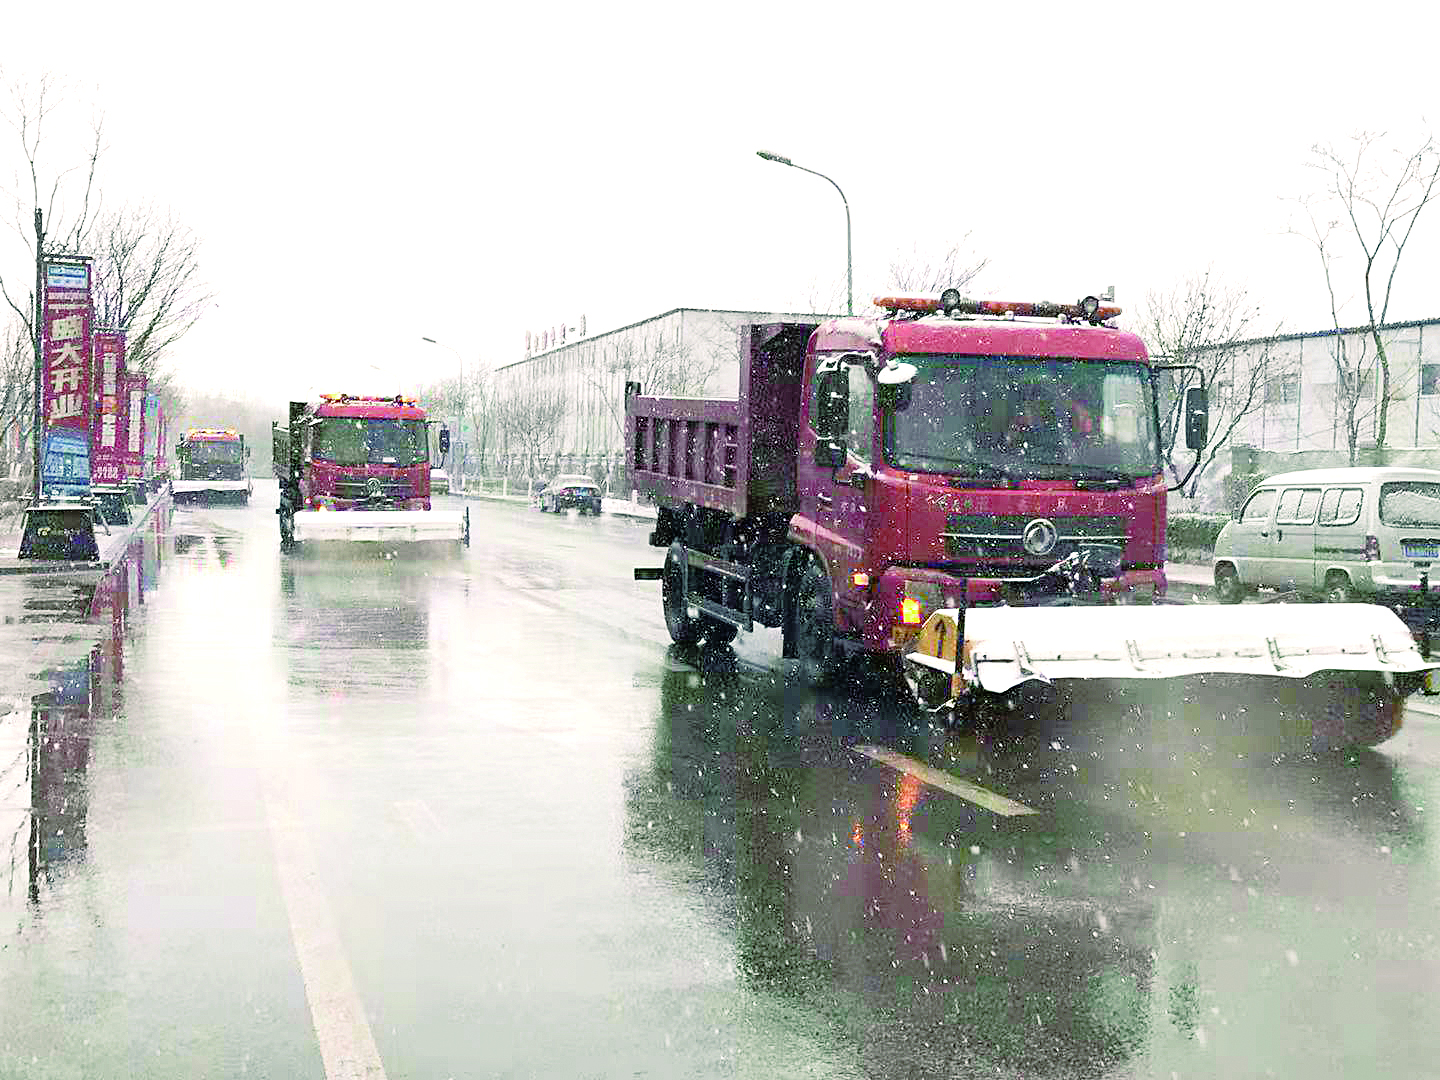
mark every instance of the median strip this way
{"type": "Point", "coordinates": [982, 797]}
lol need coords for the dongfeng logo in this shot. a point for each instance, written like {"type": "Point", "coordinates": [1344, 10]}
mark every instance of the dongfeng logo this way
{"type": "Point", "coordinates": [1040, 536]}
{"type": "Point", "coordinates": [373, 488]}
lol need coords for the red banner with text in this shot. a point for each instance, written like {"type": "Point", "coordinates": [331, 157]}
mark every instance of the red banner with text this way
{"type": "Point", "coordinates": [107, 462]}
{"type": "Point", "coordinates": [65, 345]}
{"type": "Point", "coordinates": [134, 454]}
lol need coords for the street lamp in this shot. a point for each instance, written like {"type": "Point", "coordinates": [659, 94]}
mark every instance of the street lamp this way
{"type": "Point", "coordinates": [459, 478]}
{"type": "Point", "coordinates": [849, 286]}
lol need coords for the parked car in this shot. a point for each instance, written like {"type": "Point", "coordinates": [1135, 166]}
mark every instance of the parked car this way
{"type": "Point", "coordinates": [566, 491]}
{"type": "Point", "coordinates": [439, 482]}
{"type": "Point", "coordinates": [1337, 534]}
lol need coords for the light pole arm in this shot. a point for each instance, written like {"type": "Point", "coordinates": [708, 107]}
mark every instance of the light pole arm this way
{"type": "Point", "coordinates": [849, 278]}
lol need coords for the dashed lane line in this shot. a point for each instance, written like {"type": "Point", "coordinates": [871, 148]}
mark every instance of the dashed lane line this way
{"type": "Point", "coordinates": [347, 1045]}
{"type": "Point", "coordinates": [982, 797]}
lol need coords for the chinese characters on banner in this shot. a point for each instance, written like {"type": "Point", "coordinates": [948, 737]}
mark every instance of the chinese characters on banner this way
{"type": "Point", "coordinates": [106, 461]}
{"type": "Point", "coordinates": [65, 376]}
{"type": "Point", "coordinates": [134, 453]}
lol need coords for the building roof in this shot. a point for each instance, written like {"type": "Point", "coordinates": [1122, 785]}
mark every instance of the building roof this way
{"type": "Point", "coordinates": [763, 316]}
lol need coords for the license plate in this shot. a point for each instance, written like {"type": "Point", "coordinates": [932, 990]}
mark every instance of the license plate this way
{"type": "Point", "coordinates": [1421, 551]}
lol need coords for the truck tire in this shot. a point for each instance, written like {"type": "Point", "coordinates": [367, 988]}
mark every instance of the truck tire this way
{"type": "Point", "coordinates": [1228, 589]}
{"type": "Point", "coordinates": [814, 619]}
{"type": "Point", "coordinates": [683, 629]}
{"type": "Point", "coordinates": [717, 632]}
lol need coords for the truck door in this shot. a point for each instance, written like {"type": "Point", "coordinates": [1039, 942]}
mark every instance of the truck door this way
{"type": "Point", "coordinates": [1293, 541]}
{"type": "Point", "coordinates": [843, 403]}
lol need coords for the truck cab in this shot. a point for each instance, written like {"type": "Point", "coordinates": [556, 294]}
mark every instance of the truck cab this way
{"type": "Point", "coordinates": [945, 452]}
{"type": "Point", "coordinates": [211, 463]}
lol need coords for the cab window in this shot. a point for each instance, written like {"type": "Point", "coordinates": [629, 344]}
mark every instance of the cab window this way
{"type": "Point", "coordinates": [1341, 506]}
{"type": "Point", "coordinates": [1297, 506]}
{"type": "Point", "coordinates": [1258, 508]}
{"type": "Point", "coordinates": [860, 424]}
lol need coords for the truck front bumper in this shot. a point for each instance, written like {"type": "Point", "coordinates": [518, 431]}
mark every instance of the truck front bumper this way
{"type": "Point", "coordinates": [892, 623]}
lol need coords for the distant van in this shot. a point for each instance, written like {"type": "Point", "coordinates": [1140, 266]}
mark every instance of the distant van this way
{"type": "Point", "coordinates": [1336, 534]}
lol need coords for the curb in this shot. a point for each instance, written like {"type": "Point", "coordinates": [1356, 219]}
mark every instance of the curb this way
{"type": "Point", "coordinates": [118, 544]}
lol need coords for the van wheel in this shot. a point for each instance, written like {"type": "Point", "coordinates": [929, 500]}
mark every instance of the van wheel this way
{"type": "Point", "coordinates": [1227, 585]}
{"type": "Point", "coordinates": [1338, 589]}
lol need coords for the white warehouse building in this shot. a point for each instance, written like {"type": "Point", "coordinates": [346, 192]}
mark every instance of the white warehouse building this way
{"type": "Point", "coordinates": [580, 385]}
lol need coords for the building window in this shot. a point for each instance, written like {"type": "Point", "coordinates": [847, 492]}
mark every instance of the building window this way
{"type": "Point", "coordinates": [1282, 389]}
{"type": "Point", "coordinates": [1429, 379]}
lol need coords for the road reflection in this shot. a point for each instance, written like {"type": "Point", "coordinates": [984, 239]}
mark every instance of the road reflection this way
{"type": "Point", "coordinates": [358, 622]}
{"type": "Point", "coordinates": [1101, 935]}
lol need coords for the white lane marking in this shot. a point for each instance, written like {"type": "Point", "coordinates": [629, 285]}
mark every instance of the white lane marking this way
{"type": "Point", "coordinates": [347, 1046]}
{"type": "Point", "coordinates": [983, 797]}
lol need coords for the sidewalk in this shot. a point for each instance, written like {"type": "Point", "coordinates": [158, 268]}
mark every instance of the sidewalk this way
{"type": "Point", "coordinates": [112, 545]}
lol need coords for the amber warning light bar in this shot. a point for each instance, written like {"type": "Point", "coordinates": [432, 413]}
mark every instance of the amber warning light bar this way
{"type": "Point", "coordinates": [950, 302]}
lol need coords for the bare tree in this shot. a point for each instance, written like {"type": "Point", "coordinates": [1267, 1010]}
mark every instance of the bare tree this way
{"type": "Point", "coordinates": [1212, 325]}
{"type": "Point", "coordinates": [663, 366]}
{"type": "Point", "coordinates": [147, 282]}
{"type": "Point", "coordinates": [1376, 203]}
{"type": "Point", "coordinates": [953, 268]}
{"type": "Point", "coordinates": [531, 414]}
{"type": "Point", "coordinates": [480, 410]}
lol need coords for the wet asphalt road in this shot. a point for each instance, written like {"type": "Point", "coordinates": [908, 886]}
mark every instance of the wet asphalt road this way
{"type": "Point", "coordinates": [472, 817]}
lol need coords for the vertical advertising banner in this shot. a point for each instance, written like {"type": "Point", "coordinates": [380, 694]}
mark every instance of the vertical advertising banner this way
{"type": "Point", "coordinates": [152, 433]}
{"type": "Point", "coordinates": [65, 389]}
{"type": "Point", "coordinates": [134, 446]}
{"type": "Point", "coordinates": [162, 464]}
{"type": "Point", "coordinates": [106, 463]}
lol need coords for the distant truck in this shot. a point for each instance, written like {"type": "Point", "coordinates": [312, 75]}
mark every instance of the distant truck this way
{"type": "Point", "coordinates": [210, 463]}
{"type": "Point", "coordinates": [941, 469]}
{"type": "Point", "coordinates": [355, 468]}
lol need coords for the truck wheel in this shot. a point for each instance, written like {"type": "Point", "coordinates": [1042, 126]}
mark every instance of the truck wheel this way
{"type": "Point", "coordinates": [814, 615]}
{"type": "Point", "coordinates": [683, 629]}
{"type": "Point", "coordinates": [718, 632]}
{"type": "Point", "coordinates": [1228, 589]}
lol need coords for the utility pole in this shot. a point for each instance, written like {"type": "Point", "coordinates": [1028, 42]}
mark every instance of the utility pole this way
{"type": "Point", "coordinates": [39, 411]}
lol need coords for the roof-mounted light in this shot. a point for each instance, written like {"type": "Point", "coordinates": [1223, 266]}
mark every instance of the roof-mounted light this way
{"type": "Point", "coordinates": [951, 303]}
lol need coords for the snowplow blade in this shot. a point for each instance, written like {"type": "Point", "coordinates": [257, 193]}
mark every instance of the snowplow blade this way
{"type": "Point", "coordinates": [207, 487]}
{"type": "Point", "coordinates": [383, 526]}
{"type": "Point", "coordinates": [1006, 646]}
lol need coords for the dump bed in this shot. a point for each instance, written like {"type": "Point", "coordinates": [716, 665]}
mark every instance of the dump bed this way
{"type": "Point", "coordinates": [737, 456]}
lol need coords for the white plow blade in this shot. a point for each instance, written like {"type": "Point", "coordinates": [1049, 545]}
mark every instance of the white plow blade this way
{"type": "Point", "coordinates": [190, 487]}
{"type": "Point", "coordinates": [394, 526]}
{"type": "Point", "coordinates": [1007, 646]}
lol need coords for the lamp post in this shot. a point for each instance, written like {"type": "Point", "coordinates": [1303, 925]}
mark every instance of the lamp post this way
{"type": "Point", "coordinates": [849, 286]}
{"type": "Point", "coordinates": [459, 478]}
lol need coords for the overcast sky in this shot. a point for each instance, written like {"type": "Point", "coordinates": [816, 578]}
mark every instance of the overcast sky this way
{"type": "Point", "coordinates": [361, 177]}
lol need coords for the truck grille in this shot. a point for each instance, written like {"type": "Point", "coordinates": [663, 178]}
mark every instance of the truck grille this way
{"type": "Point", "coordinates": [1002, 536]}
{"type": "Point", "coordinates": [360, 487]}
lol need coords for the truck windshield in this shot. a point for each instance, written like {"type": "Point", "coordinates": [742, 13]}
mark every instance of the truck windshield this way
{"type": "Point", "coordinates": [371, 440]}
{"type": "Point", "coordinates": [1032, 417]}
{"type": "Point", "coordinates": [214, 452]}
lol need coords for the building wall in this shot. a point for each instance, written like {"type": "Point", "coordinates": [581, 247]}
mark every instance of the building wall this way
{"type": "Point", "coordinates": [1301, 411]}
{"type": "Point", "coordinates": [694, 347]}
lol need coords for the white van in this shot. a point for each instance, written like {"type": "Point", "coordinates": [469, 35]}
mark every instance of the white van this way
{"type": "Point", "coordinates": [1341, 534]}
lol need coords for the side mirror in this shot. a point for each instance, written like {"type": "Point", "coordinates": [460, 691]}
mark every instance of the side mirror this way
{"type": "Point", "coordinates": [444, 440]}
{"type": "Point", "coordinates": [829, 454]}
{"type": "Point", "coordinates": [1197, 418]}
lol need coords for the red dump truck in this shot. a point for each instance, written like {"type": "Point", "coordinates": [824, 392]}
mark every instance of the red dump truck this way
{"type": "Point", "coordinates": [955, 466]}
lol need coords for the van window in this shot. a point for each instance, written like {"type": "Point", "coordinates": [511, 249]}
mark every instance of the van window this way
{"type": "Point", "coordinates": [1258, 508]}
{"type": "Point", "coordinates": [1297, 506]}
{"type": "Point", "coordinates": [1341, 506]}
{"type": "Point", "coordinates": [1409, 503]}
